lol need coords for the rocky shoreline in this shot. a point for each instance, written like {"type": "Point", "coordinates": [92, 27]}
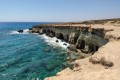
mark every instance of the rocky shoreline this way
{"type": "Point", "coordinates": [96, 45]}
{"type": "Point", "coordinates": [85, 38]}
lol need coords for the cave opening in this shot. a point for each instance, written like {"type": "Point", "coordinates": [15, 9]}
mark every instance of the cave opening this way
{"type": "Point", "coordinates": [44, 31]}
{"type": "Point", "coordinates": [61, 36]}
{"type": "Point", "coordinates": [53, 33]}
{"type": "Point", "coordinates": [97, 47]}
{"type": "Point", "coordinates": [48, 31]}
{"type": "Point", "coordinates": [67, 38]}
{"type": "Point", "coordinates": [93, 48]}
{"type": "Point", "coordinates": [82, 44]}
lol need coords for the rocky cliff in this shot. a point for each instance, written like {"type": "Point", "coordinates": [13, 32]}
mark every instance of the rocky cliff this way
{"type": "Point", "coordinates": [99, 37]}
{"type": "Point", "coordinates": [85, 38]}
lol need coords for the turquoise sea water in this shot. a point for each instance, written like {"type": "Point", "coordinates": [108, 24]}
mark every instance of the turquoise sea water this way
{"type": "Point", "coordinates": [27, 56]}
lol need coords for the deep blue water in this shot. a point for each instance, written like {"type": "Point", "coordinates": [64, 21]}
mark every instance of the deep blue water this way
{"type": "Point", "coordinates": [27, 56]}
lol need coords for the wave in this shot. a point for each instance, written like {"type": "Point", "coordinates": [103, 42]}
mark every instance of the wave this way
{"type": "Point", "coordinates": [49, 40]}
{"type": "Point", "coordinates": [52, 41]}
{"type": "Point", "coordinates": [25, 31]}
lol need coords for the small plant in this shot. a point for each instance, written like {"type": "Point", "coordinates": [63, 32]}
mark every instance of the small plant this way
{"type": "Point", "coordinates": [76, 65]}
{"type": "Point", "coordinates": [106, 63]}
{"type": "Point", "coordinates": [102, 61]}
{"type": "Point", "coordinates": [94, 60]}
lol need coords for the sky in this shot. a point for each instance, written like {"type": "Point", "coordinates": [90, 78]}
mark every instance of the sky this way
{"type": "Point", "coordinates": [57, 10]}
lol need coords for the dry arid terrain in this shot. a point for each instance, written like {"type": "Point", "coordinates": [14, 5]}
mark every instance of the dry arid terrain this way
{"type": "Point", "coordinates": [104, 64]}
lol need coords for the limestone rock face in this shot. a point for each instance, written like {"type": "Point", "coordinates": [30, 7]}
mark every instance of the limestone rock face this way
{"type": "Point", "coordinates": [73, 37]}
{"type": "Point", "coordinates": [85, 38]}
{"type": "Point", "coordinates": [66, 37]}
{"type": "Point", "coordinates": [35, 30]}
{"type": "Point", "coordinates": [72, 48]}
{"type": "Point", "coordinates": [41, 31]}
{"type": "Point", "coordinates": [89, 42]}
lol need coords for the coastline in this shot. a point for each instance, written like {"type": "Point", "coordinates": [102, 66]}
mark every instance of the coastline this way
{"type": "Point", "coordinates": [104, 61]}
{"type": "Point", "coordinates": [49, 40]}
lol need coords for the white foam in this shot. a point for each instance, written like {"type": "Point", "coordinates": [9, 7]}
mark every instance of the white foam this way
{"type": "Point", "coordinates": [52, 41]}
{"type": "Point", "coordinates": [14, 32]}
{"type": "Point", "coordinates": [25, 31]}
{"type": "Point", "coordinates": [49, 40]}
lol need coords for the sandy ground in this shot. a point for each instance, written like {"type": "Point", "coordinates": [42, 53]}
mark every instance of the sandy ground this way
{"type": "Point", "coordinates": [88, 71]}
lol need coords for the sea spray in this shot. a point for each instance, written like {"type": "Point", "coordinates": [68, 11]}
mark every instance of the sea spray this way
{"type": "Point", "coordinates": [49, 40]}
{"type": "Point", "coordinates": [25, 31]}
{"type": "Point", "coordinates": [52, 41]}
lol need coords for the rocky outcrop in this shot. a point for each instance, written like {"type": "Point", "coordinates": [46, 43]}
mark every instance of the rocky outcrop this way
{"type": "Point", "coordinates": [85, 38]}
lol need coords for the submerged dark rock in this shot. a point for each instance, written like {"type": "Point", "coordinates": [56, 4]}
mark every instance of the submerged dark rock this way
{"type": "Point", "coordinates": [57, 41]}
{"type": "Point", "coordinates": [65, 44]}
{"type": "Point", "coordinates": [20, 31]}
{"type": "Point", "coordinates": [30, 28]}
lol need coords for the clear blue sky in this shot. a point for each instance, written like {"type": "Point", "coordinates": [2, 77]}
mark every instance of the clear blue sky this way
{"type": "Point", "coordinates": [58, 10]}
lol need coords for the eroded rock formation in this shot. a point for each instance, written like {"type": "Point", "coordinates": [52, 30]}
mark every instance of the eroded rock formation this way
{"type": "Point", "coordinates": [85, 38]}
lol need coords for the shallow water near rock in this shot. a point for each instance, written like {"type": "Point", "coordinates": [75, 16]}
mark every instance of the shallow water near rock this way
{"type": "Point", "coordinates": [25, 56]}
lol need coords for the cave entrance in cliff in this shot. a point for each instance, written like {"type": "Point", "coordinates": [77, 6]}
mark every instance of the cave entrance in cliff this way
{"type": "Point", "coordinates": [82, 44]}
{"type": "Point", "coordinates": [44, 31]}
{"type": "Point", "coordinates": [53, 33]}
{"type": "Point", "coordinates": [61, 36]}
{"type": "Point", "coordinates": [93, 48]}
{"type": "Point", "coordinates": [97, 47]}
{"type": "Point", "coordinates": [48, 31]}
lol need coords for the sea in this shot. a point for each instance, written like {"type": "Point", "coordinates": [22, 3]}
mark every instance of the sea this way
{"type": "Point", "coordinates": [28, 56]}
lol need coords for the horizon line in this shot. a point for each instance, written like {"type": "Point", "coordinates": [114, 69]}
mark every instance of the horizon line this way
{"type": "Point", "coordinates": [59, 21]}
